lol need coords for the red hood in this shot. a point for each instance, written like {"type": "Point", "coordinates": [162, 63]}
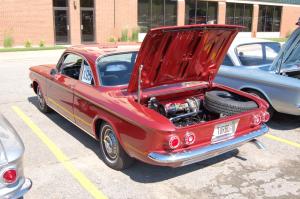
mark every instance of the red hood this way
{"type": "Point", "coordinates": [181, 54]}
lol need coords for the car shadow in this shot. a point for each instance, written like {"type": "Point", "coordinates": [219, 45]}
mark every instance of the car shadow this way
{"type": "Point", "coordinates": [139, 172]}
{"type": "Point", "coordinates": [282, 121]}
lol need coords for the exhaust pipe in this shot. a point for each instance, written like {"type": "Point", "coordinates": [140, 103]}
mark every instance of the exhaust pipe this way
{"type": "Point", "coordinates": [258, 144]}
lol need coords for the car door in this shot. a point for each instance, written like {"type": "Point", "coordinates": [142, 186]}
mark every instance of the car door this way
{"type": "Point", "coordinates": [84, 111]}
{"type": "Point", "coordinates": [61, 86]}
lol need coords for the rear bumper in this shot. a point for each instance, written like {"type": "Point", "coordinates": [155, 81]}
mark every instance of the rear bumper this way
{"type": "Point", "coordinates": [195, 155]}
{"type": "Point", "coordinates": [17, 191]}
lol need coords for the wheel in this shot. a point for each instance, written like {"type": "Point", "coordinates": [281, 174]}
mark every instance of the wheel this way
{"type": "Point", "coordinates": [227, 103]}
{"type": "Point", "coordinates": [111, 151]}
{"type": "Point", "coordinates": [42, 105]}
{"type": "Point", "coordinates": [271, 110]}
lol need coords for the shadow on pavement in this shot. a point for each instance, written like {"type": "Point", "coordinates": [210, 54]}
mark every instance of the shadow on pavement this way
{"type": "Point", "coordinates": [139, 172]}
{"type": "Point", "coordinates": [282, 121]}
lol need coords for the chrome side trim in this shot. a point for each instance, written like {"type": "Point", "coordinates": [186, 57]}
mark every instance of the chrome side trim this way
{"type": "Point", "coordinates": [187, 157]}
{"type": "Point", "coordinates": [72, 121]}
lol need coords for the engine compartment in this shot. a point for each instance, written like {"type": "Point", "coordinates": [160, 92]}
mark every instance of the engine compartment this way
{"type": "Point", "coordinates": [186, 109]}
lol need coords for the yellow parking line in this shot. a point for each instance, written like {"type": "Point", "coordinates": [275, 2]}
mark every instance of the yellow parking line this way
{"type": "Point", "coordinates": [60, 156]}
{"type": "Point", "coordinates": [282, 140]}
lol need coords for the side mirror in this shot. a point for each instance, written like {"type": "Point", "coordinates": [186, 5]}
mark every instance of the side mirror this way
{"type": "Point", "coordinates": [53, 71]}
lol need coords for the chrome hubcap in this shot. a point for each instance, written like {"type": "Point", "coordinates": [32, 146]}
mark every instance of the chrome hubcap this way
{"type": "Point", "coordinates": [110, 144]}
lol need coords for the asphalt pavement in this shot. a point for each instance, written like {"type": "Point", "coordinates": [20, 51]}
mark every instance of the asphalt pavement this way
{"type": "Point", "coordinates": [76, 171]}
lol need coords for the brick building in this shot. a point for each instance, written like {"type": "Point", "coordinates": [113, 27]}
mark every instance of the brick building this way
{"type": "Point", "coordinates": [90, 21]}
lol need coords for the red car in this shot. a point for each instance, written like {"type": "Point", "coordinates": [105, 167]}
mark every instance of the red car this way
{"type": "Point", "coordinates": [156, 103]}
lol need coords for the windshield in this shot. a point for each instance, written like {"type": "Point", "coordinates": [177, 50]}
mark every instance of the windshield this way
{"type": "Point", "coordinates": [294, 57]}
{"type": "Point", "coordinates": [116, 69]}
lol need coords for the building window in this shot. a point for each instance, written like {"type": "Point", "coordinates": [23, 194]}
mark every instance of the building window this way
{"type": "Point", "coordinates": [201, 12]}
{"type": "Point", "coordinates": [269, 18]}
{"type": "Point", "coordinates": [155, 13]}
{"type": "Point", "coordinates": [239, 14]}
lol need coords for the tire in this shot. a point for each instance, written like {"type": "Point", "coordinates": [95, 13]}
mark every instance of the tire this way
{"type": "Point", "coordinates": [111, 151]}
{"type": "Point", "coordinates": [271, 110]}
{"type": "Point", "coordinates": [223, 102]}
{"type": "Point", "coordinates": [42, 105]}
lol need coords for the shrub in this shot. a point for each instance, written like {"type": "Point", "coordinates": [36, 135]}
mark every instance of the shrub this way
{"type": "Point", "coordinates": [111, 39]}
{"type": "Point", "coordinates": [42, 44]}
{"type": "Point", "coordinates": [27, 44]}
{"type": "Point", "coordinates": [124, 35]}
{"type": "Point", "coordinates": [8, 41]}
{"type": "Point", "coordinates": [134, 34]}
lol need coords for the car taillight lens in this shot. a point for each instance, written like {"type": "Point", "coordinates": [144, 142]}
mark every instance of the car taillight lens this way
{"type": "Point", "coordinates": [265, 116]}
{"type": "Point", "coordinates": [9, 176]}
{"type": "Point", "coordinates": [256, 120]}
{"type": "Point", "coordinates": [189, 138]}
{"type": "Point", "coordinates": [174, 141]}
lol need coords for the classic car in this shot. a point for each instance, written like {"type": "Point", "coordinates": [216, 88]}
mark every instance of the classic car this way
{"type": "Point", "coordinates": [278, 83]}
{"type": "Point", "coordinates": [156, 103]}
{"type": "Point", "coordinates": [251, 52]}
{"type": "Point", "coordinates": [13, 184]}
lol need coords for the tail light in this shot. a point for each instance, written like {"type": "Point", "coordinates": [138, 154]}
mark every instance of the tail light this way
{"type": "Point", "coordinates": [9, 176]}
{"type": "Point", "coordinates": [265, 116]}
{"type": "Point", "coordinates": [189, 138]}
{"type": "Point", "coordinates": [256, 120]}
{"type": "Point", "coordinates": [174, 141]}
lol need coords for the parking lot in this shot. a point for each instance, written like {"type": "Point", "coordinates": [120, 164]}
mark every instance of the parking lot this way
{"type": "Point", "coordinates": [245, 173]}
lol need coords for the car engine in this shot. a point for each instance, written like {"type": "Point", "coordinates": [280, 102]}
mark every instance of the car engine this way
{"type": "Point", "coordinates": [188, 112]}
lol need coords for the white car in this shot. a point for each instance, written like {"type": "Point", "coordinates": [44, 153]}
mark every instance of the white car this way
{"type": "Point", "coordinates": [251, 52]}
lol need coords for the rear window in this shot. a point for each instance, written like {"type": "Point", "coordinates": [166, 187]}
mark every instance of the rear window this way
{"type": "Point", "coordinates": [116, 69]}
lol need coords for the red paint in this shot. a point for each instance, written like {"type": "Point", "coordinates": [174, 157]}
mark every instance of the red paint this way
{"type": "Point", "coordinates": [139, 129]}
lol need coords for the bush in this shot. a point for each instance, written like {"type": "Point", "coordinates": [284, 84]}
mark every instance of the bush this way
{"type": "Point", "coordinates": [111, 39]}
{"type": "Point", "coordinates": [42, 44]}
{"type": "Point", "coordinates": [8, 41]}
{"type": "Point", "coordinates": [124, 35]}
{"type": "Point", "coordinates": [27, 44]}
{"type": "Point", "coordinates": [134, 34]}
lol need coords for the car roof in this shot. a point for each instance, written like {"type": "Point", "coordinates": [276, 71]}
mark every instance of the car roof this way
{"type": "Point", "coordinates": [93, 51]}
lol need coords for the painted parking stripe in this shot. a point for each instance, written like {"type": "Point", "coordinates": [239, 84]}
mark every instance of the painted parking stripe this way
{"type": "Point", "coordinates": [273, 137]}
{"type": "Point", "coordinates": [60, 156]}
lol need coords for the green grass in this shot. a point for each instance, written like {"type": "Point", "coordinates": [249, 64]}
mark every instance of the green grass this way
{"type": "Point", "coordinates": [277, 39]}
{"type": "Point", "coordinates": [31, 49]}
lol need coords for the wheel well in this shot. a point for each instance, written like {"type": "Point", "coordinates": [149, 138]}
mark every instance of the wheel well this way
{"type": "Point", "coordinates": [34, 85]}
{"type": "Point", "coordinates": [257, 91]}
{"type": "Point", "coordinates": [98, 124]}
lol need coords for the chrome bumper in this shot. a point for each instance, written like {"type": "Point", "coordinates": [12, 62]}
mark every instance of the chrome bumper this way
{"type": "Point", "coordinates": [196, 155]}
{"type": "Point", "coordinates": [18, 193]}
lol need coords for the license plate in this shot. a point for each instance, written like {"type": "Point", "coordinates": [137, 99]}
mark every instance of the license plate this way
{"type": "Point", "coordinates": [224, 131]}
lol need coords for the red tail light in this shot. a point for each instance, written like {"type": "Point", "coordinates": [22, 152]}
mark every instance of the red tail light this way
{"type": "Point", "coordinates": [174, 142]}
{"type": "Point", "coordinates": [189, 138]}
{"type": "Point", "coordinates": [9, 176]}
{"type": "Point", "coordinates": [256, 120]}
{"type": "Point", "coordinates": [265, 116]}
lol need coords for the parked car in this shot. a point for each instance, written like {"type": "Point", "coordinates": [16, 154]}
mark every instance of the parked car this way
{"type": "Point", "coordinates": [157, 104]}
{"type": "Point", "coordinates": [278, 83]}
{"type": "Point", "coordinates": [251, 52]}
{"type": "Point", "coordinates": [13, 184]}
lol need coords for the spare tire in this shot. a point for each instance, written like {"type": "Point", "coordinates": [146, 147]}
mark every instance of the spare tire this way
{"type": "Point", "coordinates": [227, 103]}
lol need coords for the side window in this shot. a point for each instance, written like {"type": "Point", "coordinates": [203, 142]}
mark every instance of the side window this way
{"type": "Point", "coordinates": [71, 65]}
{"type": "Point", "coordinates": [250, 54]}
{"type": "Point", "coordinates": [86, 74]}
{"type": "Point", "coordinates": [227, 61]}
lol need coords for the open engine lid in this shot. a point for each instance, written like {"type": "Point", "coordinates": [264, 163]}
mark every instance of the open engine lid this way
{"type": "Point", "coordinates": [181, 54]}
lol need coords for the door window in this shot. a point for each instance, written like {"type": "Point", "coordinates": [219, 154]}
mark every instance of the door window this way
{"type": "Point", "coordinates": [71, 65]}
{"type": "Point", "coordinates": [86, 75]}
{"type": "Point", "coordinates": [250, 54]}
